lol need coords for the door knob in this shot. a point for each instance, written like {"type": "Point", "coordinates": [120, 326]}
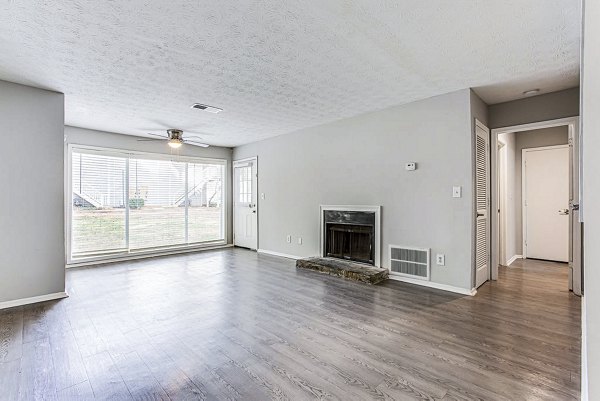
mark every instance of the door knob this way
{"type": "Point", "coordinates": [563, 212]}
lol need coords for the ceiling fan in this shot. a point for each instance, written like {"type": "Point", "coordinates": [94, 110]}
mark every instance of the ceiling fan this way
{"type": "Point", "coordinates": [175, 139]}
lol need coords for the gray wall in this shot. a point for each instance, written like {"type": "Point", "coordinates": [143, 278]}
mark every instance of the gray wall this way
{"type": "Point", "coordinates": [545, 107]}
{"type": "Point", "coordinates": [360, 161]}
{"type": "Point", "coordinates": [591, 195]}
{"type": "Point", "coordinates": [525, 140]}
{"type": "Point", "coordinates": [81, 136]}
{"type": "Point", "coordinates": [32, 249]}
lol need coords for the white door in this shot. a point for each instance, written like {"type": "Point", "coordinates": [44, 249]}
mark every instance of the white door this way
{"type": "Point", "coordinates": [546, 203]}
{"type": "Point", "coordinates": [482, 199]}
{"type": "Point", "coordinates": [575, 237]}
{"type": "Point", "coordinates": [245, 214]}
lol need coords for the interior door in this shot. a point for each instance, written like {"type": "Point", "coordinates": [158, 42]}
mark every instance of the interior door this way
{"type": "Point", "coordinates": [482, 202]}
{"type": "Point", "coordinates": [244, 204]}
{"type": "Point", "coordinates": [575, 271]}
{"type": "Point", "coordinates": [546, 203]}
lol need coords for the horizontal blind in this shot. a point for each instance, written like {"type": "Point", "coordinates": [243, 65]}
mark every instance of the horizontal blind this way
{"type": "Point", "coordinates": [161, 202]}
{"type": "Point", "coordinates": [98, 199]}
{"type": "Point", "coordinates": [157, 203]}
{"type": "Point", "coordinates": [205, 212]}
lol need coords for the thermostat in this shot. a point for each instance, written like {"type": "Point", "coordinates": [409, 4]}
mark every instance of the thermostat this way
{"type": "Point", "coordinates": [410, 166]}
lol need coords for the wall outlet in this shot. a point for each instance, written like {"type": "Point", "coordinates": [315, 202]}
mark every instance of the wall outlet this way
{"type": "Point", "coordinates": [299, 240]}
{"type": "Point", "coordinates": [456, 192]}
{"type": "Point", "coordinates": [262, 196]}
{"type": "Point", "coordinates": [288, 239]}
{"type": "Point", "coordinates": [411, 166]}
{"type": "Point", "coordinates": [440, 259]}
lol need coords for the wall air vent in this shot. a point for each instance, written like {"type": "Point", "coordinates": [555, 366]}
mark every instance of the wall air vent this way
{"type": "Point", "coordinates": [409, 262]}
{"type": "Point", "coordinates": [205, 107]}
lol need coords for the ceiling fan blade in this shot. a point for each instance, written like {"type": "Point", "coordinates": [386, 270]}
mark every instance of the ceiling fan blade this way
{"type": "Point", "coordinates": [150, 139]}
{"type": "Point", "coordinates": [162, 136]}
{"type": "Point", "coordinates": [202, 145]}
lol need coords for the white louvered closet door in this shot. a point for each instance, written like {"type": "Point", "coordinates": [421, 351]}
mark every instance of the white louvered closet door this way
{"type": "Point", "coordinates": [482, 196]}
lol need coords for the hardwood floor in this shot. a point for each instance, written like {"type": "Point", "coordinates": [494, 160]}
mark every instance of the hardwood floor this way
{"type": "Point", "coordinates": [232, 324]}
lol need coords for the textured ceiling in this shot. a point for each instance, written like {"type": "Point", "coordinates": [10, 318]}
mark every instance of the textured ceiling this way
{"type": "Point", "coordinates": [280, 65]}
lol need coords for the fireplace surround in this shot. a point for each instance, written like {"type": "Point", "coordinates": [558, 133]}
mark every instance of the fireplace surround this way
{"type": "Point", "coordinates": [351, 233]}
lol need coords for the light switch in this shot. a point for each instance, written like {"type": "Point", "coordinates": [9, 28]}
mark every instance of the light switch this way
{"type": "Point", "coordinates": [262, 196]}
{"type": "Point", "coordinates": [456, 192]}
{"type": "Point", "coordinates": [411, 166]}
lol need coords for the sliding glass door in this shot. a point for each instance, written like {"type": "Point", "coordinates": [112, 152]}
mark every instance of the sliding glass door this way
{"type": "Point", "coordinates": [126, 203]}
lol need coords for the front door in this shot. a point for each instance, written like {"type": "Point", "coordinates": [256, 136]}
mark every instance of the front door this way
{"type": "Point", "coordinates": [245, 214]}
{"type": "Point", "coordinates": [546, 203]}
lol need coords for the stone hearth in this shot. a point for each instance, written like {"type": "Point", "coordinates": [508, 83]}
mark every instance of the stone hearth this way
{"type": "Point", "coordinates": [343, 268]}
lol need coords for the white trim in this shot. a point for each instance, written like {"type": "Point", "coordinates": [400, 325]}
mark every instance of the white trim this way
{"type": "Point", "coordinates": [568, 121]}
{"type": "Point", "coordinates": [437, 286]}
{"type": "Point", "coordinates": [523, 187]}
{"type": "Point", "coordinates": [282, 255]}
{"type": "Point", "coordinates": [511, 260]}
{"type": "Point", "coordinates": [145, 255]}
{"type": "Point", "coordinates": [33, 300]}
{"type": "Point", "coordinates": [537, 125]}
{"type": "Point", "coordinates": [357, 208]}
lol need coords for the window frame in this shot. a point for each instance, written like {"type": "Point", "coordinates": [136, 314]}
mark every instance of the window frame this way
{"type": "Point", "coordinates": [146, 252]}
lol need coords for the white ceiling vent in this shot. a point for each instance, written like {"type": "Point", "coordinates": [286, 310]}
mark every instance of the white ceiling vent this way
{"type": "Point", "coordinates": [409, 262]}
{"type": "Point", "coordinates": [205, 107]}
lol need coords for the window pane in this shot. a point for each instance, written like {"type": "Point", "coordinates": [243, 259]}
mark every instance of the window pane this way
{"type": "Point", "coordinates": [98, 220]}
{"type": "Point", "coordinates": [205, 212]}
{"type": "Point", "coordinates": [156, 204]}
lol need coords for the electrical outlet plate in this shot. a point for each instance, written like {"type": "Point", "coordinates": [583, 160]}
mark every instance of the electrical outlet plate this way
{"type": "Point", "coordinates": [299, 240]}
{"type": "Point", "coordinates": [411, 166]}
{"type": "Point", "coordinates": [456, 192]}
{"type": "Point", "coordinates": [440, 259]}
{"type": "Point", "coordinates": [288, 239]}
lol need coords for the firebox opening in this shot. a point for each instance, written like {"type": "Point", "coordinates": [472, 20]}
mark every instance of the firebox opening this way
{"type": "Point", "coordinates": [349, 235]}
{"type": "Point", "coordinates": [352, 242]}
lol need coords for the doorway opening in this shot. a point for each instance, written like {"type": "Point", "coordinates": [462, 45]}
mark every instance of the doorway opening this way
{"type": "Point", "coordinates": [535, 175]}
{"type": "Point", "coordinates": [245, 203]}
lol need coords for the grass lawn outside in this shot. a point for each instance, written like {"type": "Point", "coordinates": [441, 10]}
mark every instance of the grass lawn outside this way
{"type": "Point", "coordinates": [96, 230]}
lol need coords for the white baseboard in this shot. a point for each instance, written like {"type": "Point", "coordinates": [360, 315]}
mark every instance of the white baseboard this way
{"type": "Point", "coordinates": [511, 260]}
{"type": "Point", "coordinates": [432, 284]}
{"type": "Point", "coordinates": [32, 300]}
{"type": "Point", "coordinates": [283, 255]}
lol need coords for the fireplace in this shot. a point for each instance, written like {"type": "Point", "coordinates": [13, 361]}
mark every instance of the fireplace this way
{"type": "Point", "coordinates": [350, 233]}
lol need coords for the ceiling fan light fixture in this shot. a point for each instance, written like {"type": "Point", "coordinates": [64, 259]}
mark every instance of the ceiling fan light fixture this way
{"type": "Point", "coordinates": [175, 143]}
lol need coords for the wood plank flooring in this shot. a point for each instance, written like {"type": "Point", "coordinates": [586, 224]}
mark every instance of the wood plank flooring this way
{"type": "Point", "coordinates": [231, 324]}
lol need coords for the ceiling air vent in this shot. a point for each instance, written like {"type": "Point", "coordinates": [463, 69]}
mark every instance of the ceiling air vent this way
{"type": "Point", "coordinates": [205, 107]}
{"type": "Point", "coordinates": [409, 262]}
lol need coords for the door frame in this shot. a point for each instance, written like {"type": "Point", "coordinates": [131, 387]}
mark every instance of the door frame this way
{"type": "Point", "coordinates": [233, 192]}
{"type": "Point", "coordinates": [524, 185]}
{"type": "Point", "coordinates": [502, 202]}
{"type": "Point", "coordinates": [573, 124]}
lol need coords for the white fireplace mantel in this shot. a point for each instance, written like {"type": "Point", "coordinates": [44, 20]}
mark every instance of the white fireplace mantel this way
{"type": "Point", "coordinates": [356, 208]}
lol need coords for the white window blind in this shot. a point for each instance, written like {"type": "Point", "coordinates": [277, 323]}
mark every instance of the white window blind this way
{"type": "Point", "coordinates": [160, 218]}
{"type": "Point", "coordinates": [124, 203]}
{"type": "Point", "coordinates": [99, 199]}
{"type": "Point", "coordinates": [205, 202]}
